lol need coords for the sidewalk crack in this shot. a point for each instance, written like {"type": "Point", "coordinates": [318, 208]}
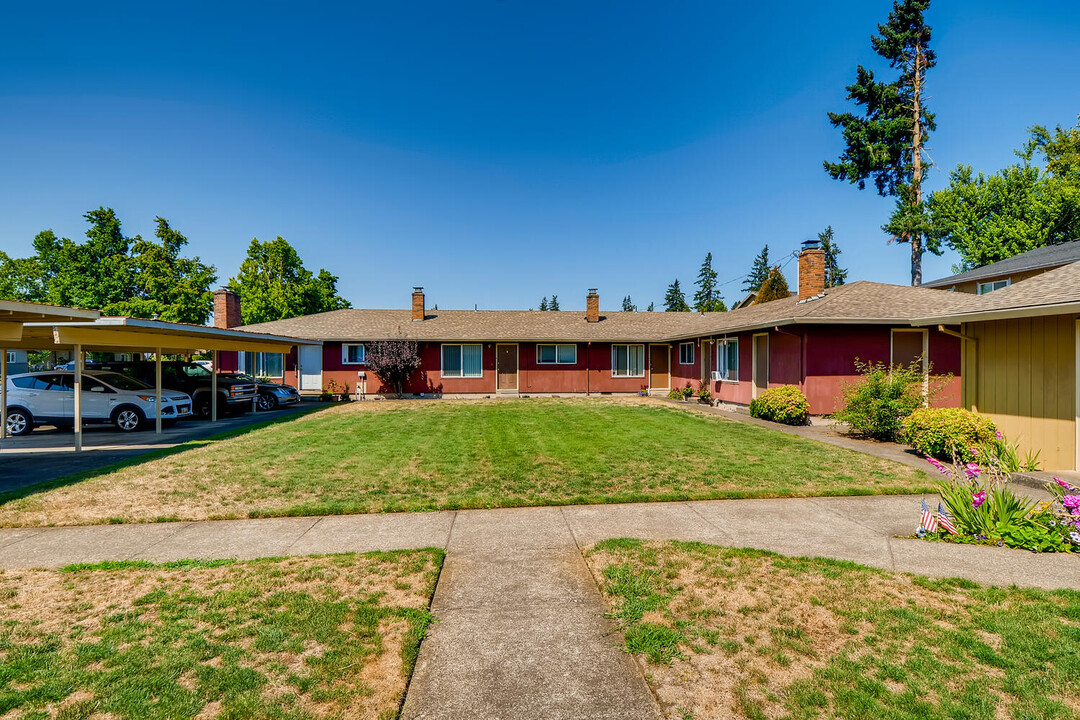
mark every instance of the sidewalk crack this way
{"type": "Point", "coordinates": [301, 536]}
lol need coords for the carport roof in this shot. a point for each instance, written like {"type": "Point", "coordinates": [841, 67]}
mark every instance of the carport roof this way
{"type": "Point", "coordinates": [14, 313]}
{"type": "Point", "coordinates": [114, 333]}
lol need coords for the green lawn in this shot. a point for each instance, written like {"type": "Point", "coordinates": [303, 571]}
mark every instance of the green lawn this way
{"type": "Point", "coordinates": [387, 456]}
{"type": "Point", "coordinates": [317, 637]}
{"type": "Point", "coordinates": [748, 634]}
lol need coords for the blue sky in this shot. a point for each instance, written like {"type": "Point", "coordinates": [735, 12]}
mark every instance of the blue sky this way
{"type": "Point", "coordinates": [495, 151]}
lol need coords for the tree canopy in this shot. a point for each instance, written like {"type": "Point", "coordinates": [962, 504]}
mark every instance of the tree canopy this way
{"type": "Point", "coordinates": [987, 218]}
{"type": "Point", "coordinates": [675, 298]}
{"type": "Point", "coordinates": [273, 284]}
{"type": "Point", "coordinates": [708, 298]}
{"type": "Point", "coordinates": [758, 272]}
{"type": "Point", "coordinates": [628, 305]}
{"type": "Point", "coordinates": [886, 140]}
{"type": "Point", "coordinates": [834, 274]}
{"type": "Point", "coordinates": [114, 273]}
{"type": "Point", "coordinates": [775, 287]}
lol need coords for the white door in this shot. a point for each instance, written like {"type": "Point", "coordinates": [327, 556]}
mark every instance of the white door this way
{"type": "Point", "coordinates": [55, 397]}
{"type": "Point", "coordinates": [97, 400]}
{"type": "Point", "coordinates": [310, 367]}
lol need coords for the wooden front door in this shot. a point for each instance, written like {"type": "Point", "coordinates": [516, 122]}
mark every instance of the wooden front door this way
{"type": "Point", "coordinates": [659, 367]}
{"type": "Point", "coordinates": [761, 363]}
{"type": "Point", "coordinates": [506, 368]}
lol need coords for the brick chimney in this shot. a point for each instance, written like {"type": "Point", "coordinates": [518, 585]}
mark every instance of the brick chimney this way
{"type": "Point", "coordinates": [418, 311]}
{"type": "Point", "coordinates": [811, 270]}
{"type": "Point", "coordinates": [226, 308]}
{"type": "Point", "coordinates": [592, 306]}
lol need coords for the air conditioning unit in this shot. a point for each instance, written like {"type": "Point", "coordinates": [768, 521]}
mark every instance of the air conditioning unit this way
{"type": "Point", "coordinates": [715, 375]}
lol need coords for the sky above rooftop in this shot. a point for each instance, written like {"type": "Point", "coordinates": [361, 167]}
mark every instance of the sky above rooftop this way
{"type": "Point", "coordinates": [496, 151]}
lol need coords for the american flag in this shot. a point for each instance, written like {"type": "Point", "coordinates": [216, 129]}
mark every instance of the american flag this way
{"type": "Point", "coordinates": [945, 520]}
{"type": "Point", "coordinates": [929, 522]}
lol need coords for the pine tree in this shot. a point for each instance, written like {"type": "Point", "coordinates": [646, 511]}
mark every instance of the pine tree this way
{"type": "Point", "coordinates": [834, 274]}
{"type": "Point", "coordinates": [651, 308]}
{"type": "Point", "coordinates": [708, 298]}
{"type": "Point", "coordinates": [554, 304]}
{"type": "Point", "coordinates": [887, 141]}
{"type": "Point", "coordinates": [758, 272]}
{"type": "Point", "coordinates": [775, 287]}
{"type": "Point", "coordinates": [544, 304]}
{"type": "Point", "coordinates": [628, 305]}
{"type": "Point", "coordinates": [675, 299]}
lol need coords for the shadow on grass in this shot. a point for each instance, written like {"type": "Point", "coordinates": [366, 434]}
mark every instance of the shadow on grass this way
{"type": "Point", "coordinates": [142, 457]}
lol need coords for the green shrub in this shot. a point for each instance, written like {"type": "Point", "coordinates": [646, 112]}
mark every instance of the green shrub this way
{"type": "Point", "coordinates": [785, 404]}
{"type": "Point", "coordinates": [941, 432]}
{"type": "Point", "coordinates": [876, 404]}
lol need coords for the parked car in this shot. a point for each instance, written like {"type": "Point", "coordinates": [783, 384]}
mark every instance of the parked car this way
{"type": "Point", "coordinates": [235, 395]}
{"type": "Point", "coordinates": [272, 395]}
{"type": "Point", "coordinates": [48, 398]}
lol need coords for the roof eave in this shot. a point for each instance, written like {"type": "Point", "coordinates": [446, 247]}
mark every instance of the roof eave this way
{"type": "Point", "coordinates": [1003, 314]}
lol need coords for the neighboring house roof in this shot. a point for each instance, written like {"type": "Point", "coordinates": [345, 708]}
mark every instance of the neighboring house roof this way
{"type": "Point", "coordinates": [1050, 256]}
{"type": "Point", "coordinates": [484, 325]}
{"type": "Point", "coordinates": [858, 303]}
{"type": "Point", "coordinates": [1052, 293]}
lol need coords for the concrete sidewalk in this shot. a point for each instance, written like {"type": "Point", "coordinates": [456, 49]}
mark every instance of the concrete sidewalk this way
{"type": "Point", "coordinates": [521, 632]}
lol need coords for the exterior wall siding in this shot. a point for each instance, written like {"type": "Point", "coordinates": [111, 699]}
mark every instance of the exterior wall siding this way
{"type": "Point", "coordinates": [1022, 373]}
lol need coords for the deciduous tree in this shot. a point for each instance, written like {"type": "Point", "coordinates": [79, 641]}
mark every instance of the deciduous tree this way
{"type": "Point", "coordinates": [775, 287]}
{"type": "Point", "coordinates": [886, 141]}
{"type": "Point", "coordinates": [273, 284]}
{"type": "Point", "coordinates": [392, 361]}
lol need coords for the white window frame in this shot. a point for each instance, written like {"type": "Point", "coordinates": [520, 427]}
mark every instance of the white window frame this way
{"type": "Point", "coordinates": [345, 354]}
{"type": "Point", "coordinates": [11, 356]}
{"type": "Point", "coordinates": [260, 363]}
{"type": "Point", "coordinates": [557, 361]}
{"type": "Point", "coordinates": [692, 353]}
{"type": "Point", "coordinates": [994, 285]}
{"type": "Point", "coordinates": [461, 350]}
{"type": "Point", "coordinates": [722, 369]}
{"type": "Point", "coordinates": [614, 349]}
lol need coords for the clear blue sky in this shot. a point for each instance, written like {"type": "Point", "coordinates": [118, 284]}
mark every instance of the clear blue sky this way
{"type": "Point", "coordinates": [495, 151]}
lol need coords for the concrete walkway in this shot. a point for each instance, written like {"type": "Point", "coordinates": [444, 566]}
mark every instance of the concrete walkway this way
{"type": "Point", "coordinates": [520, 632]}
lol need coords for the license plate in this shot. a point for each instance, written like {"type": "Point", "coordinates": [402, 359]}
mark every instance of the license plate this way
{"type": "Point", "coordinates": [183, 409]}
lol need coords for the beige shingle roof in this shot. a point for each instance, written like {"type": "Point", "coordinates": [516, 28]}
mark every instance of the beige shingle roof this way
{"type": "Point", "coordinates": [859, 302]}
{"type": "Point", "coordinates": [442, 325]}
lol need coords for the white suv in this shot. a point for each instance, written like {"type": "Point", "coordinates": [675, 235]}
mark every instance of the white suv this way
{"type": "Point", "coordinates": [48, 398]}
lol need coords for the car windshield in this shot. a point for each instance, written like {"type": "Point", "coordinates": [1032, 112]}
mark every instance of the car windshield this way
{"type": "Point", "coordinates": [195, 371]}
{"type": "Point", "coordinates": [121, 382]}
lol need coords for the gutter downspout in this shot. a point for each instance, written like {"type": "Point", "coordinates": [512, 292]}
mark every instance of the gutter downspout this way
{"type": "Point", "coordinates": [946, 331]}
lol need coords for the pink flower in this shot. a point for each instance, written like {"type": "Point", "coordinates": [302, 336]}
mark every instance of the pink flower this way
{"type": "Point", "coordinates": [1071, 501]}
{"type": "Point", "coordinates": [971, 470]}
{"type": "Point", "coordinates": [1063, 484]}
{"type": "Point", "coordinates": [999, 435]}
{"type": "Point", "coordinates": [978, 498]}
{"type": "Point", "coordinates": [974, 452]}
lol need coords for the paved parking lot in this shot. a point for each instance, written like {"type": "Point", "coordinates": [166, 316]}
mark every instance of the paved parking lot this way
{"type": "Point", "coordinates": [48, 453]}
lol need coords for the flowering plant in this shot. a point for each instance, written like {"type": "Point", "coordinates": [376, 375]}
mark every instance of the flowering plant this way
{"type": "Point", "coordinates": [984, 508]}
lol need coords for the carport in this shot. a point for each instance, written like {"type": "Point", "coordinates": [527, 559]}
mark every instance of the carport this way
{"type": "Point", "coordinates": [122, 334]}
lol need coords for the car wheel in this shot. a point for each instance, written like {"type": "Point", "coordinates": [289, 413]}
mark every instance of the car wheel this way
{"type": "Point", "coordinates": [19, 422]}
{"type": "Point", "coordinates": [127, 419]}
{"type": "Point", "coordinates": [267, 401]}
{"type": "Point", "coordinates": [202, 406]}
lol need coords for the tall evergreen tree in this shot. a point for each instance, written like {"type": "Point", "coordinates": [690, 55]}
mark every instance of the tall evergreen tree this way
{"type": "Point", "coordinates": [758, 272]}
{"type": "Point", "coordinates": [708, 298]}
{"type": "Point", "coordinates": [651, 308]}
{"type": "Point", "coordinates": [675, 298]}
{"type": "Point", "coordinates": [543, 304]}
{"type": "Point", "coordinates": [775, 287]}
{"type": "Point", "coordinates": [887, 141]}
{"type": "Point", "coordinates": [628, 305]}
{"type": "Point", "coordinates": [834, 274]}
{"type": "Point", "coordinates": [554, 304]}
